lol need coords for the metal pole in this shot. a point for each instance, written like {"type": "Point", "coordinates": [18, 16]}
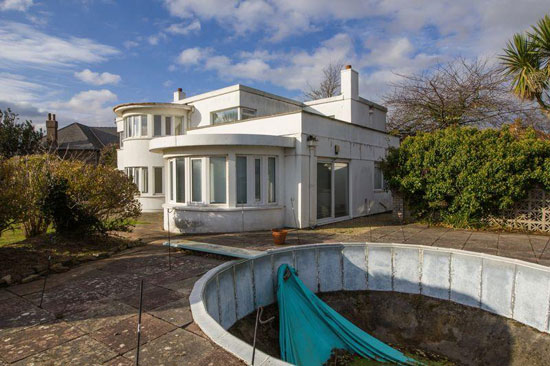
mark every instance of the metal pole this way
{"type": "Point", "coordinates": [255, 332]}
{"type": "Point", "coordinates": [45, 279]}
{"type": "Point", "coordinates": [295, 220]}
{"type": "Point", "coordinates": [139, 321]}
{"type": "Point", "coordinates": [169, 243]}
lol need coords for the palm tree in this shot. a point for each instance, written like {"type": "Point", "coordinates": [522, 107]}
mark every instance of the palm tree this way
{"type": "Point", "coordinates": [526, 59]}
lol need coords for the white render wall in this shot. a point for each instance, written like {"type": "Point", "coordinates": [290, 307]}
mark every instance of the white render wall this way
{"type": "Point", "coordinates": [506, 287]}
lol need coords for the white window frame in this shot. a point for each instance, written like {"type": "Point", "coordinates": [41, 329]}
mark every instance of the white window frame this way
{"type": "Point", "coordinates": [142, 178]}
{"type": "Point", "coordinates": [382, 182]}
{"type": "Point", "coordinates": [276, 181]}
{"type": "Point", "coordinates": [161, 191]}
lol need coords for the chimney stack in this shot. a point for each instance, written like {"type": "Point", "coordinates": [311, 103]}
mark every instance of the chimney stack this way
{"type": "Point", "coordinates": [51, 129]}
{"type": "Point", "coordinates": [179, 95]}
{"type": "Point", "coordinates": [349, 83]}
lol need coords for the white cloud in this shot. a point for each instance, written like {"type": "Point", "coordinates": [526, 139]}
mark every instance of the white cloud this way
{"type": "Point", "coordinates": [192, 56]}
{"type": "Point", "coordinates": [93, 107]}
{"type": "Point", "coordinates": [24, 45]}
{"type": "Point", "coordinates": [17, 89]}
{"type": "Point", "coordinates": [130, 44]}
{"type": "Point", "coordinates": [18, 5]}
{"type": "Point", "coordinates": [291, 70]}
{"type": "Point", "coordinates": [95, 78]}
{"type": "Point", "coordinates": [184, 29]}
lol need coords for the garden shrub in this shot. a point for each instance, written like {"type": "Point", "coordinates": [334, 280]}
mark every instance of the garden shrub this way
{"type": "Point", "coordinates": [462, 176]}
{"type": "Point", "coordinates": [73, 195]}
{"type": "Point", "coordinates": [67, 215]}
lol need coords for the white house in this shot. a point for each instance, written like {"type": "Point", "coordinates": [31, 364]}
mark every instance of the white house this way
{"type": "Point", "coordinates": [238, 159]}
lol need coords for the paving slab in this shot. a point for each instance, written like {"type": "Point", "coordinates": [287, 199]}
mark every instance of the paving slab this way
{"type": "Point", "coordinates": [539, 244]}
{"type": "Point", "coordinates": [177, 313]}
{"type": "Point", "coordinates": [5, 295]}
{"type": "Point", "coordinates": [80, 351]}
{"type": "Point", "coordinates": [17, 346]}
{"type": "Point", "coordinates": [177, 348]}
{"type": "Point", "coordinates": [17, 314]}
{"type": "Point", "coordinates": [183, 286]}
{"type": "Point", "coordinates": [119, 361]}
{"type": "Point", "coordinates": [122, 337]}
{"type": "Point", "coordinates": [100, 314]}
{"type": "Point", "coordinates": [153, 297]}
{"type": "Point", "coordinates": [194, 328]}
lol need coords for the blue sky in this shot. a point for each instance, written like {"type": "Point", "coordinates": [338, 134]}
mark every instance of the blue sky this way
{"type": "Point", "coordinates": [79, 58]}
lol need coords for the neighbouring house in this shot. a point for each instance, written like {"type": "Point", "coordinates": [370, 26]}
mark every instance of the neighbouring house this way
{"type": "Point", "coordinates": [239, 159]}
{"type": "Point", "coordinates": [78, 141]}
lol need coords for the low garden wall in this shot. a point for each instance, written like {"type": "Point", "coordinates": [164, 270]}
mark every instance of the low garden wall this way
{"type": "Point", "coordinates": [506, 287]}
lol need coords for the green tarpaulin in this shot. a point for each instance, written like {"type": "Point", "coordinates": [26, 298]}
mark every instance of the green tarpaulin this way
{"type": "Point", "coordinates": [309, 329]}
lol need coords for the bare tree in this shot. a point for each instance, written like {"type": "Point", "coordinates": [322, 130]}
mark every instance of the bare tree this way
{"type": "Point", "coordinates": [458, 93]}
{"type": "Point", "coordinates": [329, 86]}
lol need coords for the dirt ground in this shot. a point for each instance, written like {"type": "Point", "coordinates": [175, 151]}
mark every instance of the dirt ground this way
{"type": "Point", "coordinates": [434, 330]}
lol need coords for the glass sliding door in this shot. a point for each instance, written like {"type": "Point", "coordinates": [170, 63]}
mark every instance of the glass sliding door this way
{"type": "Point", "coordinates": [332, 190]}
{"type": "Point", "coordinates": [341, 193]}
{"type": "Point", "coordinates": [324, 190]}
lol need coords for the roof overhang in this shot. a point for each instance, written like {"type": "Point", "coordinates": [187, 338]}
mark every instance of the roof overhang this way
{"type": "Point", "coordinates": [160, 143]}
{"type": "Point", "coordinates": [121, 108]}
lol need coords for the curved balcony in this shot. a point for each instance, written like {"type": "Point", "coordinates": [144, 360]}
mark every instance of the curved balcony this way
{"type": "Point", "coordinates": [158, 144]}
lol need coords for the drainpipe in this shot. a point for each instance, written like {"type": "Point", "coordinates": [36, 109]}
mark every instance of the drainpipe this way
{"type": "Point", "coordinates": [312, 144]}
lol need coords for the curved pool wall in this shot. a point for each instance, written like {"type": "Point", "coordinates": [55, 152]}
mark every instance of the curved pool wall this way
{"type": "Point", "coordinates": [507, 287]}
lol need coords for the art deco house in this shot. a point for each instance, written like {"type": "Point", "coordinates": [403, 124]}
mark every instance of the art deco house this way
{"type": "Point", "coordinates": [239, 159]}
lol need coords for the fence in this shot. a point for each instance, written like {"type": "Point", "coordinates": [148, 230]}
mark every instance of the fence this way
{"type": "Point", "coordinates": [531, 214]}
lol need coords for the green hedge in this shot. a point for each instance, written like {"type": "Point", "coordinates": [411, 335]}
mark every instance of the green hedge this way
{"type": "Point", "coordinates": [462, 176]}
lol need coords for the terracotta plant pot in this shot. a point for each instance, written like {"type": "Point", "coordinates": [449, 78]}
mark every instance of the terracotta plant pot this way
{"type": "Point", "coordinates": [279, 236]}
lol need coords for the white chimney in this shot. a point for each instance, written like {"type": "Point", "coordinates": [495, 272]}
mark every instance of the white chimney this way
{"type": "Point", "coordinates": [349, 83]}
{"type": "Point", "coordinates": [179, 95]}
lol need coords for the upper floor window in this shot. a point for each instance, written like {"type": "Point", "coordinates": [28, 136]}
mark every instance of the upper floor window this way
{"type": "Point", "coordinates": [225, 116]}
{"type": "Point", "coordinates": [135, 126]}
{"type": "Point", "coordinates": [247, 113]}
{"type": "Point", "coordinates": [232, 114]}
{"type": "Point", "coordinates": [157, 125]}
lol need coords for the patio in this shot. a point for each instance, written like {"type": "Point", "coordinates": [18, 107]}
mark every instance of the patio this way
{"type": "Point", "coordinates": [89, 314]}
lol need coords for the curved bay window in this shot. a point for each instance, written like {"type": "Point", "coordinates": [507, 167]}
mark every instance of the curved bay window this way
{"type": "Point", "coordinates": [203, 180]}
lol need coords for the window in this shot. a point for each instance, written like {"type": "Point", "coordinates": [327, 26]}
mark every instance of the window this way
{"type": "Point", "coordinates": [145, 180]}
{"type": "Point", "coordinates": [218, 179]}
{"type": "Point", "coordinates": [247, 113]}
{"type": "Point", "coordinates": [158, 180]}
{"type": "Point", "coordinates": [168, 126]}
{"type": "Point", "coordinates": [157, 125]}
{"type": "Point", "coordinates": [120, 137]}
{"type": "Point", "coordinates": [225, 116]}
{"type": "Point", "coordinates": [172, 180]}
{"type": "Point", "coordinates": [140, 177]}
{"type": "Point", "coordinates": [241, 180]}
{"type": "Point", "coordinates": [180, 180]}
{"type": "Point", "coordinates": [378, 177]}
{"type": "Point", "coordinates": [271, 181]}
{"type": "Point", "coordinates": [135, 126]}
{"type": "Point", "coordinates": [196, 180]}
{"type": "Point", "coordinates": [144, 126]}
{"type": "Point", "coordinates": [178, 126]}
{"type": "Point", "coordinates": [258, 179]}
